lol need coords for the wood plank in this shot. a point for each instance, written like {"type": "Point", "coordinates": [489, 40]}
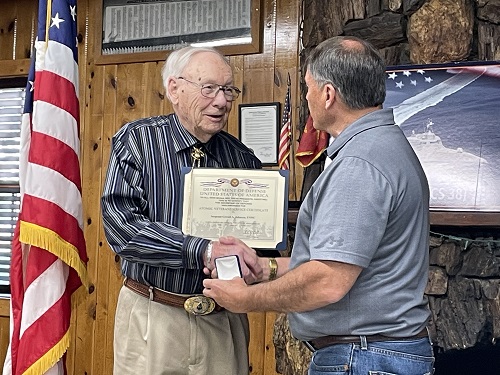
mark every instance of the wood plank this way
{"type": "Point", "coordinates": [8, 18]}
{"type": "Point", "coordinates": [257, 323]}
{"type": "Point", "coordinates": [14, 68]}
{"type": "Point", "coordinates": [4, 337]}
{"type": "Point", "coordinates": [232, 126]}
{"type": "Point", "coordinates": [90, 161]}
{"type": "Point", "coordinates": [287, 63]}
{"type": "Point", "coordinates": [5, 307]}
{"type": "Point", "coordinates": [154, 90]}
{"type": "Point", "coordinates": [27, 11]}
{"type": "Point", "coordinates": [270, 353]}
{"type": "Point", "coordinates": [107, 289]}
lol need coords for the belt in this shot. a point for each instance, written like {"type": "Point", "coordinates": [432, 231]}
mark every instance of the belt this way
{"type": "Point", "coordinates": [197, 304]}
{"type": "Point", "coordinates": [323, 342]}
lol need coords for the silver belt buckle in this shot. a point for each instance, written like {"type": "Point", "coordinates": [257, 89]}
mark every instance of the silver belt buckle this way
{"type": "Point", "coordinates": [199, 305]}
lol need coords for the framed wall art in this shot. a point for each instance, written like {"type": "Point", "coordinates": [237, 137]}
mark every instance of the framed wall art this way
{"type": "Point", "coordinates": [138, 31]}
{"type": "Point", "coordinates": [449, 114]}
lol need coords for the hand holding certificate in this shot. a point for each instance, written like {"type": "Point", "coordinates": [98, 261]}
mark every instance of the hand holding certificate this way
{"type": "Point", "coordinates": [248, 204]}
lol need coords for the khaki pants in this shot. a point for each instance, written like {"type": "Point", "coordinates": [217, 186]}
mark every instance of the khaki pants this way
{"type": "Point", "coordinates": [153, 339]}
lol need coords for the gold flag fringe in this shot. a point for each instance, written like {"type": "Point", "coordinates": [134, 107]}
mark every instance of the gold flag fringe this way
{"type": "Point", "coordinates": [49, 240]}
{"type": "Point", "coordinates": [49, 359]}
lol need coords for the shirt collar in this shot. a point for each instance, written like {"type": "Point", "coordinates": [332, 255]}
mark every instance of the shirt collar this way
{"type": "Point", "coordinates": [382, 117]}
{"type": "Point", "coordinates": [184, 139]}
{"type": "Point", "coordinates": [181, 137]}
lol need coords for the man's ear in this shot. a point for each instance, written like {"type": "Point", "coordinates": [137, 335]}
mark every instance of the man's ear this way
{"type": "Point", "coordinates": [330, 95]}
{"type": "Point", "coordinates": [173, 90]}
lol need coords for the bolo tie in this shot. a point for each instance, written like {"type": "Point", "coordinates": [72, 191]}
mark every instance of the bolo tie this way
{"type": "Point", "coordinates": [197, 154]}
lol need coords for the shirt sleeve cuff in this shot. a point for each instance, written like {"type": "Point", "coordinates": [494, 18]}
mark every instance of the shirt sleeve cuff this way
{"type": "Point", "coordinates": [194, 248]}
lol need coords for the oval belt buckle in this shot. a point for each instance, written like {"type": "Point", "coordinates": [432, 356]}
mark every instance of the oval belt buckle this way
{"type": "Point", "coordinates": [199, 305]}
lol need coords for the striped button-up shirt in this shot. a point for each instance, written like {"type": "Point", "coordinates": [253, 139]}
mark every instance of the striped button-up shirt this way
{"type": "Point", "coordinates": [141, 200]}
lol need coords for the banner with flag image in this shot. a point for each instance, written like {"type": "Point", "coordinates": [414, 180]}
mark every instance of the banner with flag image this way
{"type": "Point", "coordinates": [448, 113]}
{"type": "Point", "coordinates": [286, 131]}
{"type": "Point", "coordinates": [48, 261]}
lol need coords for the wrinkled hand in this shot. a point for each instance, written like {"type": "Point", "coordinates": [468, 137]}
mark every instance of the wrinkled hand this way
{"type": "Point", "coordinates": [251, 268]}
{"type": "Point", "coordinates": [230, 294]}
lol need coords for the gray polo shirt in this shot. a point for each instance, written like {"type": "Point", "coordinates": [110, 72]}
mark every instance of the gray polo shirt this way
{"type": "Point", "coordinates": [369, 207]}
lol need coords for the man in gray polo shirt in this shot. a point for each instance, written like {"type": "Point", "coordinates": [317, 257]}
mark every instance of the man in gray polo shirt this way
{"type": "Point", "coordinates": [354, 285]}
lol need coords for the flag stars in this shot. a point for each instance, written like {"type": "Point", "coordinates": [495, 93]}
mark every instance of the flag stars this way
{"type": "Point", "coordinates": [407, 73]}
{"type": "Point", "coordinates": [399, 84]}
{"type": "Point", "coordinates": [420, 71]}
{"type": "Point", "coordinates": [393, 76]}
{"type": "Point", "coordinates": [413, 82]}
{"type": "Point", "coordinates": [31, 86]}
{"type": "Point", "coordinates": [428, 79]}
{"type": "Point", "coordinates": [56, 20]}
{"type": "Point", "coordinates": [73, 12]}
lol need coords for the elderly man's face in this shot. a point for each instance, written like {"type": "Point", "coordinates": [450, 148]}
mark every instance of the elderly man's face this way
{"type": "Point", "coordinates": [203, 117]}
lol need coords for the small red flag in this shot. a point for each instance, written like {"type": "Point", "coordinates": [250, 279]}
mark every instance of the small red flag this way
{"type": "Point", "coordinates": [312, 143]}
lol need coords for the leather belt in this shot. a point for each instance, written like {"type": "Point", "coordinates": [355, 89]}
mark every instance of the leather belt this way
{"type": "Point", "coordinates": [197, 304]}
{"type": "Point", "coordinates": [323, 342]}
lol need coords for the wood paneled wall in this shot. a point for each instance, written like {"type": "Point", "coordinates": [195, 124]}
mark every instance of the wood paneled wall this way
{"type": "Point", "coordinates": [110, 96]}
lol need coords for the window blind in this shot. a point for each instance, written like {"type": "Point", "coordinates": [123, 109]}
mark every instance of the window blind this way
{"type": "Point", "coordinates": [11, 108]}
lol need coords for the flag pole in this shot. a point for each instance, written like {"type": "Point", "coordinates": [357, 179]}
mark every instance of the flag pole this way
{"type": "Point", "coordinates": [290, 137]}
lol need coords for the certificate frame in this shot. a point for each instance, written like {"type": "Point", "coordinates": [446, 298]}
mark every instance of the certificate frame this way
{"type": "Point", "coordinates": [263, 139]}
{"type": "Point", "coordinates": [238, 37]}
{"type": "Point", "coordinates": [250, 204]}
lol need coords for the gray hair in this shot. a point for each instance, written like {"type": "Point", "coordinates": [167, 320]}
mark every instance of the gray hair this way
{"type": "Point", "coordinates": [356, 70]}
{"type": "Point", "coordinates": [177, 61]}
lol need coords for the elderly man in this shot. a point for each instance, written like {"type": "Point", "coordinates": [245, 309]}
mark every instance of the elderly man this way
{"type": "Point", "coordinates": [354, 286]}
{"type": "Point", "coordinates": [156, 330]}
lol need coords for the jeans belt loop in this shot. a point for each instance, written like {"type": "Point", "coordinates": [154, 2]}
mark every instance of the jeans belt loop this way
{"type": "Point", "coordinates": [364, 344]}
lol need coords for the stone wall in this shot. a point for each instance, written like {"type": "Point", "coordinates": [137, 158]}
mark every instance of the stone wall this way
{"type": "Point", "coordinates": [463, 291]}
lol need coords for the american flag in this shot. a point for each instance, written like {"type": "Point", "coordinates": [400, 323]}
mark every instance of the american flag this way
{"type": "Point", "coordinates": [48, 262]}
{"type": "Point", "coordinates": [286, 132]}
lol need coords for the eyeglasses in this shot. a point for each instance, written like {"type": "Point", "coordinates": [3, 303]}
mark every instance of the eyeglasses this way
{"type": "Point", "coordinates": [210, 90]}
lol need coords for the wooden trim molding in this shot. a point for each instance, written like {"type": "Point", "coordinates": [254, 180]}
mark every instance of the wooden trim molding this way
{"type": "Point", "coordinates": [14, 68]}
{"type": "Point", "coordinates": [442, 218]}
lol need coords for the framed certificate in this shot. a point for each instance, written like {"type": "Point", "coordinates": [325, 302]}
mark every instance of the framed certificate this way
{"type": "Point", "coordinates": [258, 129]}
{"type": "Point", "coordinates": [248, 204]}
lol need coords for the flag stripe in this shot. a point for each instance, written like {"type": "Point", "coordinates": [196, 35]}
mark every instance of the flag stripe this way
{"type": "Point", "coordinates": [51, 283]}
{"type": "Point", "coordinates": [44, 334]}
{"type": "Point", "coordinates": [51, 153]}
{"type": "Point", "coordinates": [67, 134]}
{"type": "Point", "coordinates": [58, 190]}
{"type": "Point", "coordinates": [51, 62]}
{"type": "Point", "coordinates": [48, 89]}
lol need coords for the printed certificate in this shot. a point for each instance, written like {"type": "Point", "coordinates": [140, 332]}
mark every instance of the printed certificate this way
{"type": "Point", "coordinates": [248, 204]}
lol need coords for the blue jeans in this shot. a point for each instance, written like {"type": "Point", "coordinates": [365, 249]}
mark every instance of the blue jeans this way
{"type": "Point", "coordinates": [404, 357]}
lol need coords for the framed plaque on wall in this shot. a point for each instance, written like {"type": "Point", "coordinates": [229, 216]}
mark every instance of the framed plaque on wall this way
{"type": "Point", "coordinates": [138, 31]}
